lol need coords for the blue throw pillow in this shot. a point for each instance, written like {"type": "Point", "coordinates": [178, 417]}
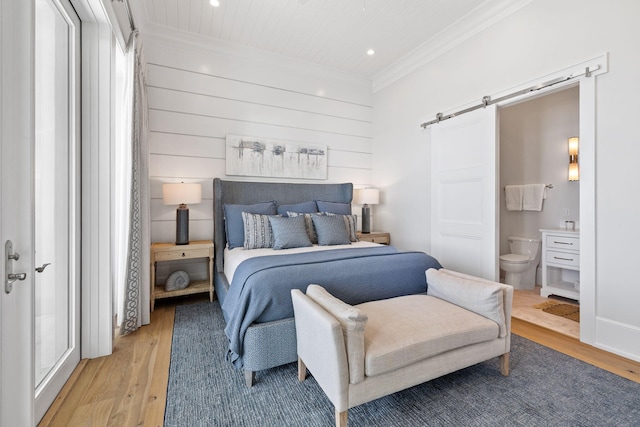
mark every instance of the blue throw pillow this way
{"type": "Point", "coordinates": [334, 208]}
{"type": "Point", "coordinates": [304, 207]}
{"type": "Point", "coordinates": [308, 222]}
{"type": "Point", "coordinates": [289, 232]}
{"type": "Point", "coordinates": [233, 220]}
{"type": "Point", "coordinates": [331, 230]}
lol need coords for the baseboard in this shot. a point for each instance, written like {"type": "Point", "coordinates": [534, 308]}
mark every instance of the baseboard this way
{"type": "Point", "coordinates": [618, 338]}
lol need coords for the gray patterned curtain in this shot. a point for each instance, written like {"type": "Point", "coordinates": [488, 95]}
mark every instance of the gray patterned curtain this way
{"type": "Point", "coordinates": [136, 294]}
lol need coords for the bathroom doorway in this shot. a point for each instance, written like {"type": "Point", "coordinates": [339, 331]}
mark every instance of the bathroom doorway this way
{"type": "Point", "coordinates": [533, 149]}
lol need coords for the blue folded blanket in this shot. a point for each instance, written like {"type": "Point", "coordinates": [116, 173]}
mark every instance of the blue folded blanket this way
{"type": "Point", "coordinates": [261, 287]}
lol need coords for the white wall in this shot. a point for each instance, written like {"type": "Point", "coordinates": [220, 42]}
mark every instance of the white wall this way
{"type": "Point", "coordinates": [543, 37]}
{"type": "Point", "coordinates": [198, 95]}
{"type": "Point", "coordinates": [533, 149]}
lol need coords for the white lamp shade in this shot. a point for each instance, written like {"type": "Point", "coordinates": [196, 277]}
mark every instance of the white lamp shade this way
{"type": "Point", "coordinates": [574, 144]}
{"type": "Point", "coordinates": [574, 172]}
{"type": "Point", "coordinates": [370, 196]}
{"type": "Point", "coordinates": [177, 194]}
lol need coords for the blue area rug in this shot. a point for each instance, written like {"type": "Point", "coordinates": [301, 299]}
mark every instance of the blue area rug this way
{"type": "Point", "coordinates": [545, 388]}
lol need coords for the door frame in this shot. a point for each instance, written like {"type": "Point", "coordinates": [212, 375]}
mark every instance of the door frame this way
{"type": "Point", "coordinates": [587, 84]}
{"type": "Point", "coordinates": [97, 145]}
{"type": "Point", "coordinates": [587, 107]}
{"type": "Point", "coordinates": [16, 210]}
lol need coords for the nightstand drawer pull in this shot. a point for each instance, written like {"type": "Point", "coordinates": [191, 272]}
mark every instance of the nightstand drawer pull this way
{"type": "Point", "coordinates": [562, 243]}
{"type": "Point", "coordinates": [564, 259]}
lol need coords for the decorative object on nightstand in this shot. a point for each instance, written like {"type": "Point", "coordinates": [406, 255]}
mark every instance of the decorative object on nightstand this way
{"type": "Point", "coordinates": [375, 237]}
{"type": "Point", "coordinates": [176, 281]}
{"type": "Point", "coordinates": [366, 197]}
{"type": "Point", "coordinates": [182, 194]}
{"type": "Point", "coordinates": [161, 252]}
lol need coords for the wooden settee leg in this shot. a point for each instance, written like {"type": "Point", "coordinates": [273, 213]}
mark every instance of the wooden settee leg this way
{"type": "Point", "coordinates": [249, 378]}
{"type": "Point", "coordinates": [504, 364]}
{"type": "Point", "coordinates": [302, 370]}
{"type": "Point", "coordinates": [342, 418]}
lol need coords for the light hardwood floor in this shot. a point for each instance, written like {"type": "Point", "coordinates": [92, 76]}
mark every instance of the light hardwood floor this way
{"type": "Point", "coordinates": [523, 309]}
{"type": "Point", "coordinates": [128, 388]}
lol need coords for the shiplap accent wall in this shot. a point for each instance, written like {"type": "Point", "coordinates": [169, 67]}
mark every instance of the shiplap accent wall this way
{"type": "Point", "coordinates": [198, 95]}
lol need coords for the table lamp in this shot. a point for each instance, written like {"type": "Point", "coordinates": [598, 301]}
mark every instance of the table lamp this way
{"type": "Point", "coordinates": [366, 197]}
{"type": "Point", "coordinates": [181, 194]}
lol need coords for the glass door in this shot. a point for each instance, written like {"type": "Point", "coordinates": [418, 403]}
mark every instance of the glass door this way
{"type": "Point", "coordinates": [56, 193]}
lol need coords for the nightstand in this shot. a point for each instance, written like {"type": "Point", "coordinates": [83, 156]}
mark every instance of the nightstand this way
{"type": "Point", "coordinates": [171, 252]}
{"type": "Point", "coordinates": [375, 237]}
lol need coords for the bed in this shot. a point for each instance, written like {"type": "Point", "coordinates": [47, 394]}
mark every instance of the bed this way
{"type": "Point", "coordinates": [253, 286]}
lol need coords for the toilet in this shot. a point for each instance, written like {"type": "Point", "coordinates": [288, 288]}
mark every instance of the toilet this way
{"type": "Point", "coordinates": [521, 264]}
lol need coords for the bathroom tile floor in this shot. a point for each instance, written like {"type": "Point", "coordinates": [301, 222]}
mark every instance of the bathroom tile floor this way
{"type": "Point", "coordinates": [523, 302]}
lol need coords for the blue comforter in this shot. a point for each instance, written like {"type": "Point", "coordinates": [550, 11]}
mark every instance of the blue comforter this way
{"type": "Point", "coordinates": [261, 287]}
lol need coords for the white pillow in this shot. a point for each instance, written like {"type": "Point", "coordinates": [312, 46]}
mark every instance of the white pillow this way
{"type": "Point", "coordinates": [472, 293]}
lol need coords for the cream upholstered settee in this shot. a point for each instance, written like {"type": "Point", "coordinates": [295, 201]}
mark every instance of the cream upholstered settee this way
{"type": "Point", "coordinates": [363, 352]}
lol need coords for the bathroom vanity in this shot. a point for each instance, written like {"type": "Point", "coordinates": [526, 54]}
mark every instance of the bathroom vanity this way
{"type": "Point", "coordinates": [561, 263]}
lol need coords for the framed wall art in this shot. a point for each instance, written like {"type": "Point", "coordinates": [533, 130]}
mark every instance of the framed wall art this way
{"type": "Point", "coordinates": [255, 156]}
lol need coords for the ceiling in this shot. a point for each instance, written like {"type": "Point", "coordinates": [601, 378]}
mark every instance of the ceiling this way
{"type": "Point", "coordinates": [331, 33]}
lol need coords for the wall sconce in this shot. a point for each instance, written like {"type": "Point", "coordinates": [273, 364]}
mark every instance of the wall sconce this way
{"type": "Point", "coordinates": [182, 194]}
{"type": "Point", "coordinates": [574, 168]}
{"type": "Point", "coordinates": [366, 197]}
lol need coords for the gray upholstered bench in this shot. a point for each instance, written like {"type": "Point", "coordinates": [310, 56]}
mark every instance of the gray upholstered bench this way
{"type": "Point", "coordinates": [363, 352]}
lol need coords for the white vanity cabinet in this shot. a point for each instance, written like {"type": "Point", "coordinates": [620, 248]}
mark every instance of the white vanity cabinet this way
{"type": "Point", "coordinates": [560, 263]}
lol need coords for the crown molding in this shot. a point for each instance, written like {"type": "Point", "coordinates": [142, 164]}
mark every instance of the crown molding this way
{"type": "Point", "coordinates": [478, 19]}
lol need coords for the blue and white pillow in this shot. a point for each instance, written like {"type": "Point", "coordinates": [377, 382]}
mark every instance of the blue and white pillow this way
{"type": "Point", "coordinates": [257, 231]}
{"type": "Point", "coordinates": [350, 221]}
{"type": "Point", "coordinates": [331, 230]}
{"type": "Point", "coordinates": [289, 232]}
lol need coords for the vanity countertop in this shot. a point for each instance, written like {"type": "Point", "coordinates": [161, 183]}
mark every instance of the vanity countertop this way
{"type": "Point", "coordinates": [560, 230]}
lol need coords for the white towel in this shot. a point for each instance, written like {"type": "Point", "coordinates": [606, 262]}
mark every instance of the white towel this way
{"type": "Point", "coordinates": [532, 197]}
{"type": "Point", "coordinates": [513, 195]}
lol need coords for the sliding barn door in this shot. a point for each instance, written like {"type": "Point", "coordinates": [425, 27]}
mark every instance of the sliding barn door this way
{"type": "Point", "coordinates": [464, 204]}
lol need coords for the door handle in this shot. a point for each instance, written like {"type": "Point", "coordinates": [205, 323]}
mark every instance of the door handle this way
{"type": "Point", "coordinates": [11, 277]}
{"type": "Point", "coordinates": [41, 269]}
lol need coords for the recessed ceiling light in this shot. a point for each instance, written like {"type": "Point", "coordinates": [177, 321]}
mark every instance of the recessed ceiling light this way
{"type": "Point", "coordinates": [371, 52]}
{"type": "Point", "coordinates": [214, 3]}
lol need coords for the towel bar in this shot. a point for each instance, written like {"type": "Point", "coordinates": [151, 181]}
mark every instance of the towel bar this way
{"type": "Point", "coordinates": [546, 185]}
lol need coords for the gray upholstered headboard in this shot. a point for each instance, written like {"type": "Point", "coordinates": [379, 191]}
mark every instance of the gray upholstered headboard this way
{"type": "Point", "coordinates": [245, 193]}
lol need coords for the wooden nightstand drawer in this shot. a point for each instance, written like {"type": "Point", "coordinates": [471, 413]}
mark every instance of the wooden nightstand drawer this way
{"type": "Point", "coordinates": [182, 254]}
{"type": "Point", "coordinates": [375, 237]}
